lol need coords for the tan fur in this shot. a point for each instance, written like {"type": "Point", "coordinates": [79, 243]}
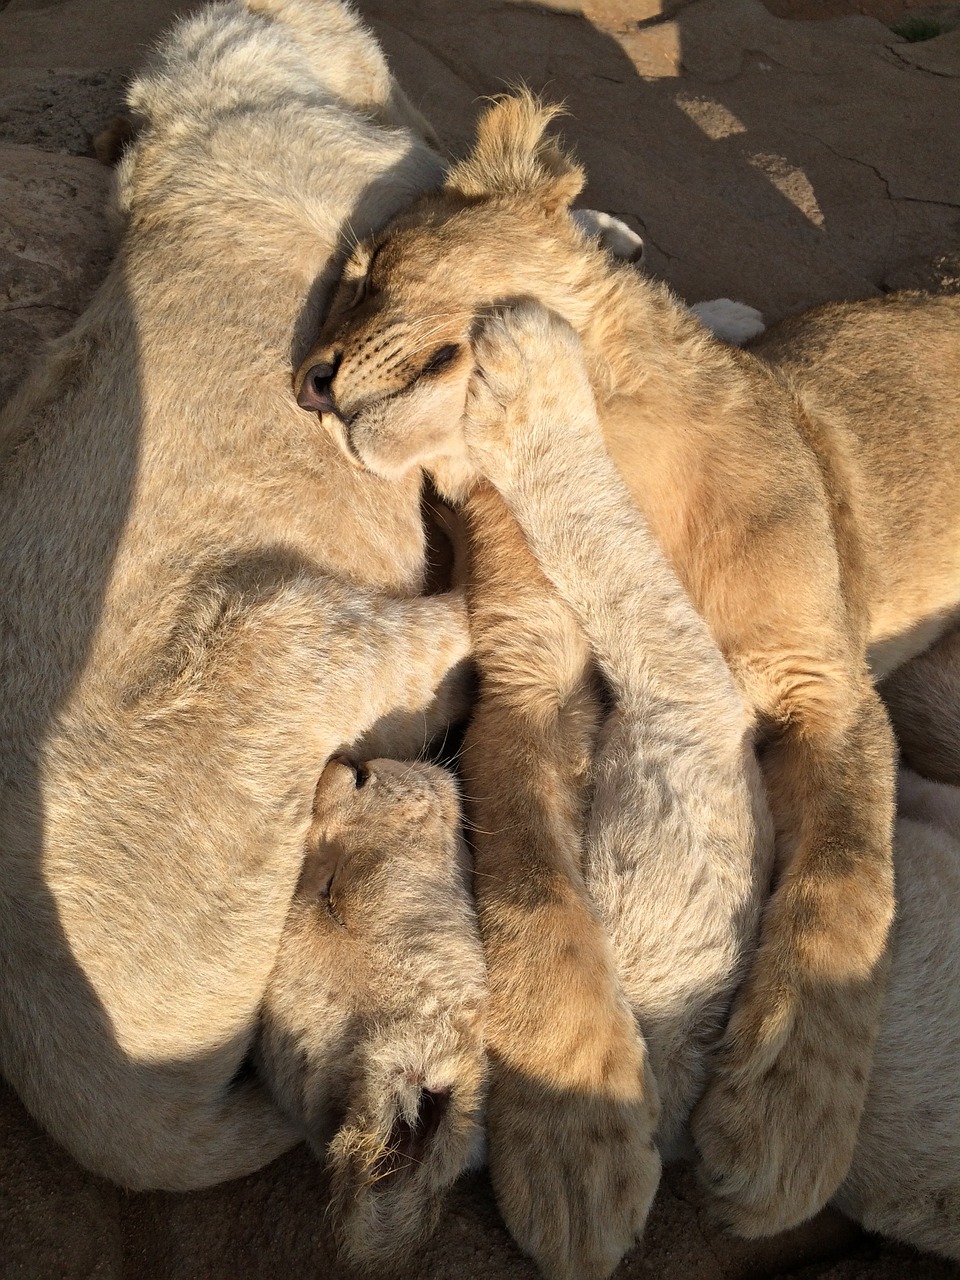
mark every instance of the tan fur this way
{"type": "Point", "coordinates": [786, 499]}
{"type": "Point", "coordinates": [567, 1061]}
{"type": "Point", "coordinates": [673, 844]}
{"type": "Point", "coordinates": [201, 600]}
{"type": "Point", "coordinates": [372, 1026]}
{"type": "Point", "coordinates": [676, 837]}
{"type": "Point", "coordinates": [923, 699]}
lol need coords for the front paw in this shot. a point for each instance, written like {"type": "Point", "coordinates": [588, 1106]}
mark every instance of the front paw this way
{"type": "Point", "coordinates": [524, 355]}
{"type": "Point", "coordinates": [575, 1169]}
{"type": "Point", "coordinates": [613, 234]}
{"type": "Point", "coordinates": [571, 1119]}
{"type": "Point", "coordinates": [777, 1125]}
{"type": "Point", "coordinates": [731, 322]}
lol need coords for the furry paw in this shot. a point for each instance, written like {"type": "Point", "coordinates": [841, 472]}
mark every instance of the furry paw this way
{"type": "Point", "coordinates": [613, 234]}
{"type": "Point", "coordinates": [529, 368]}
{"type": "Point", "coordinates": [574, 1175]}
{"type": "Point", "coordinates": [777, 1125]}
{"type": "Point", "coordinates": [732, 322]}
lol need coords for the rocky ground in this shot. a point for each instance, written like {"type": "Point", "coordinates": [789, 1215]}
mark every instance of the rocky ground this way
{"type": "Point", "coordinates": [782, 155]}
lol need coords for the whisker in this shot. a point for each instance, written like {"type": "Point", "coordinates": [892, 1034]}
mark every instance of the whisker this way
{"type": "Point", "coordinates": [354, 239]}
{"type": "Point", "coordinates": [479, 831]}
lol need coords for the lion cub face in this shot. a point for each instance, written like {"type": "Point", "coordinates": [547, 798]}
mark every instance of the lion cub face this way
{"type": "Point", "coordinates": [372, 1028]}
{"type": "Point", "coordinates": [389, 373]}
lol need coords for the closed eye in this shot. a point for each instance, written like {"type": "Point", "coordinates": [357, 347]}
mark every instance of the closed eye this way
{"type": "Point", "coordinates": [374, 255]}
{"type": "Point", "coordinates": [441, 358]}
{"type": "Point", "coordinates": [364, 284]}
{"type": "Point", "coordinates": [328, 898]}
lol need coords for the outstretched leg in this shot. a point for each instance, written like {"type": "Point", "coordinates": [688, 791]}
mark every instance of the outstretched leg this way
{"type": "Point", "coordinates": [572, 1108]}
{"type": "Point", "coordinates": [777, 1125]}
{"type": "Point", "coordinates": [676, 796]}
{"type": "Point", "coordinates": [678, 841]}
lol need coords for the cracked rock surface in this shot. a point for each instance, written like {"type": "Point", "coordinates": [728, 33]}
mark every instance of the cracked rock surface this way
{"type": "Point", "coordinates": [777, 161]}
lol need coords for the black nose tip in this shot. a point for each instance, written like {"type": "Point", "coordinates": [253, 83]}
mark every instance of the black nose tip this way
{"type": "Point", "coordinates": [316, 391]}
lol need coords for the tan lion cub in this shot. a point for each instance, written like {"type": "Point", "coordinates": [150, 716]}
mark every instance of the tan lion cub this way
{"type": "Point", "coordinates": [372, 1024]}
{"type": "Point", "coordinates": [675, 857]}
{"type": "Point", "coordinates": [795, 520]}
{"type": "Point", "coordinates": [676, 840]}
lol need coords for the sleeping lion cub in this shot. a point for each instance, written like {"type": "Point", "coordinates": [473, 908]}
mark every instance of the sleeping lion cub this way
{"type": "Point", "coordinates": [812, 514]}
{"type": "Point", "coordinates": [200, 601]}
{"type": "Point", "coordinates": [675, 860]}
{"type": "Point", "coordinates": [372, 1027]}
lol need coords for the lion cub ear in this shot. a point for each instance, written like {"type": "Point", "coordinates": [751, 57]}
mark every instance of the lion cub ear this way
{"type": "Point", "coordinates": [513, 156]}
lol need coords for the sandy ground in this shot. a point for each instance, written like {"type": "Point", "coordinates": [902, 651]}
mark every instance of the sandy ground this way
{"type": "Point", "coordinates": [783, 155]}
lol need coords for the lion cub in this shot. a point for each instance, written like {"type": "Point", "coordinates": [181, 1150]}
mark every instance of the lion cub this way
{"type": "Point", "coordinates": [789, 503]}
{"type": "Point", "coordinates": [675, 842]}
{"type": "Point", "coordinates": [372, 1025]}
{"type": "Point", "coordinates": [675, 848]}
{"type": "Point", "coordinates": [673, 852]}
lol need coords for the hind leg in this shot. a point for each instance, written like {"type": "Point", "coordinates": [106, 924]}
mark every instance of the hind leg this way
{"type": "Point", "coordinates": [923, 700]}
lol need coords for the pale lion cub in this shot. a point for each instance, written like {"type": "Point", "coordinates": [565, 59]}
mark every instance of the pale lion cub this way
{"type": "Point", "coordinates": [200, 600]}
{"type": "Point", "coordinates": [372, 1026]}
{"type": "Point", "coordinates": [791, 507]}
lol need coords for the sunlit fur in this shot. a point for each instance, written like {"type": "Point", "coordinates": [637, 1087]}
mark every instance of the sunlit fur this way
{"type": "Point", "coordinates": [201, 600]}
{"type": "Point", "coordinates": [785, 487]}
{"type": "Point", "coordinates": [373, 1018]}
{"type": "Point", "coordinates": [676, 841]}
{"type": "Point", "coordinates": [671, 843]}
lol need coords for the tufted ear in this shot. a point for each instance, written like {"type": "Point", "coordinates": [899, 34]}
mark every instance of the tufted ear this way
{"type": "Point", "coordinates": [513, 156]}
{"type": "Point", "coordinates": [390, 1161]}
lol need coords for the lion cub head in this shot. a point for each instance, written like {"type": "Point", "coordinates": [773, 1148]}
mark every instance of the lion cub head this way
{"type": "Point", "coordinates": [389, 373]}
{"type": "Point", "coordinates": [372, 1025]}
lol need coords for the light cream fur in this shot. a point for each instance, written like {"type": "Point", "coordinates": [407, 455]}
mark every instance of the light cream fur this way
{"type": "Point", "coordinates": [373, 1019]}
{"type": "Point", "coordinates": [677, 842]}
{"type": "Point", "coordinates": [201, 600]}
{"type": "Point", "coordinates": [675, 847]}
{"type": "Point", "coordinates": [782, 487]}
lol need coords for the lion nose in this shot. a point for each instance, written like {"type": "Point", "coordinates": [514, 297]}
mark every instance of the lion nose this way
{"type": "Point", "coordinates": [316, 390]}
